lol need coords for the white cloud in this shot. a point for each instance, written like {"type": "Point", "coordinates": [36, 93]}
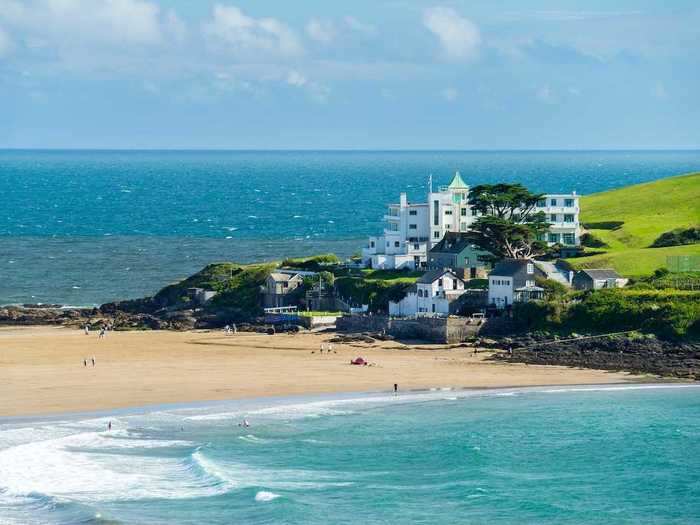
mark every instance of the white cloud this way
{"type": "Point", "coordinates": [5, 43]}
{"type": "Point", "coordinates": [243, 35]}
{"type": "Point", "coordinates": [450, 94]}
{"type": "Point", "coordinates": [546, 94]}
{"type": "Point", "coordinates": [361, 27]}
{"type": "Point", "coordinates": [459, 36]}
{"type": "Point", "coordinates": [659, 91]}
{"type": "Point", "coordinates": [294, 78]}
{"type": "Point", "coordinates": [321, 30]}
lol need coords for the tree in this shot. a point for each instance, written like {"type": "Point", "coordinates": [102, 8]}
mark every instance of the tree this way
{"type": "Point", "coordinates": [508, 226]}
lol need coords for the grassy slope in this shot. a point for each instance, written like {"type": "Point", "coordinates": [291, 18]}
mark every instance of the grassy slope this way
{"type": "Point", "coordinates": [647, 210]}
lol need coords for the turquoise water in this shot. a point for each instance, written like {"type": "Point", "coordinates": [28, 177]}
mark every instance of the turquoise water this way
{"type": "Point", "coordinates": [93, 226]}
{"type": "Point", "coordinates": [548, 455]}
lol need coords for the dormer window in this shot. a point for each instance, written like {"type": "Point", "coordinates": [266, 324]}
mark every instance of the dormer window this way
{"type": "Point", "coordinates": [530, 268]}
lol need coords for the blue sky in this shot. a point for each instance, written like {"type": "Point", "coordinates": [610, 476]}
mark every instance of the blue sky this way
{"type": "Point", "coordinates": [372, 74]}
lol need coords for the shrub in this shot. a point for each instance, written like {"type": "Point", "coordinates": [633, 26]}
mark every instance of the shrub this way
{"type": "Point", "coordinates": [314, 263]}
{"type": "Point", "coordinates": [678, 237]}
{"type": "Point", "coordinates": [591, 241]}
{"type": "Point", "coordinates": [604, 225]}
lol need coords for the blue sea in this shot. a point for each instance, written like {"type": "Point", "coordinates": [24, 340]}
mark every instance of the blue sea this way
{"type": "Point", "coordinates": [86, 227]}
{"type": "Point", "coordinates": [623, 454]}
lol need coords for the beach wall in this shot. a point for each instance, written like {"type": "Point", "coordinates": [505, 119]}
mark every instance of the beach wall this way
{"type": "Point", "coordinates": [316, 321]}
{"type": "Point", "coordinates": [448, 330]}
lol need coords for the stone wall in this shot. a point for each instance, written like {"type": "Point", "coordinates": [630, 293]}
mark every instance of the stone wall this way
{"type": "Point", "coordinates": [449, 330]}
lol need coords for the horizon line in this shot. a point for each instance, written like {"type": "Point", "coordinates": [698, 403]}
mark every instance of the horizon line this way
{"type": "Point", "coordinates": [353, 150]}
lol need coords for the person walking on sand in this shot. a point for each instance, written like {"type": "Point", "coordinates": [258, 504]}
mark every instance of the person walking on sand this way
{"type": "Point", "coordinates": [102, 333]}
{"type": "Point", "coordinates": [84, 362]}
{"type": "Point", "coordinates": [87, 329]}
{"type": "Point", "coordinates": [93, 360]}
{"type": "Point", "coordinates": [396, 388]}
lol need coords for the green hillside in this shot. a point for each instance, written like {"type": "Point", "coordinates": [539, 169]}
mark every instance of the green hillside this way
{"type": "Point", "coordinates": [630, 219]}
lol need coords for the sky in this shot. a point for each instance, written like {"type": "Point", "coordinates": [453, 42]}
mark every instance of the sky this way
{"type": "Point", "coordinates": [366, 74]}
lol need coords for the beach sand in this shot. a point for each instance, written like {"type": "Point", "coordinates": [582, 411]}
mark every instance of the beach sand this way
{"type": "Point", "coordinates": [42, 372]}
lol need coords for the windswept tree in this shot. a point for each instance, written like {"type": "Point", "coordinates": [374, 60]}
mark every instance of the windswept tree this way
{"type": "Point", "coordinates": [508, 225]}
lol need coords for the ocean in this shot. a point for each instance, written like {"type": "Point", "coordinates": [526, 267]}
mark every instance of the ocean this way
{"type": "Point", "coordinates": [615, 454]}
{"type": "Point", "coordinates": [87, 227]}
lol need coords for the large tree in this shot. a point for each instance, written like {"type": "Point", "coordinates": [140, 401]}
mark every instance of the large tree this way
{"type": "Point", "coordinates": [508, 225]}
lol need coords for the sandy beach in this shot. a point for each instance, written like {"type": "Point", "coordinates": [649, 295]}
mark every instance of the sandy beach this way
{"type": "Point", "coordinates": [42, 368]}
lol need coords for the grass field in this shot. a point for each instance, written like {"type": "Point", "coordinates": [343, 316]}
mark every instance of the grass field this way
{"type": "Point", "coordinates": [645, 211]}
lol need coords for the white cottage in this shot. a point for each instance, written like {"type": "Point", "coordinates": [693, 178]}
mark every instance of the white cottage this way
{"type": "Point", "coordinates": [435, 293]}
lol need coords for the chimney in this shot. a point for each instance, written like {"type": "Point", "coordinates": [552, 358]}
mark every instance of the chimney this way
{"type": "Point", "coordinates": [403, 200]}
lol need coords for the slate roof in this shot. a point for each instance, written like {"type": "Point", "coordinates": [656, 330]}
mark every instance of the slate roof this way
{"type": "Point", "coordinates": [430, 276]}
{"type": "Point", "coordinates": [602, 274]}
{"type": "Point", "coordinates": [281, 277]}
{"type": "Point", "coordinates": [452, 242]}
{"type": "Point", "coordinates": [508, 267]}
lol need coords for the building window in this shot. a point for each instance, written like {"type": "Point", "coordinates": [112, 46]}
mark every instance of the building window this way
{"type": "Point", "coordinates": [393, 227]}
{"type": "Point", "coordinates": [553, 217]}
{"type": "Point", "coordinates": [285, 285]}
{"type": "Point", "coordinates": [454, 284]}
{"type": "Point", "coordinates": [436, 235]}
{"type": "Point", "coordinates": [436, 213]}
{"type": "Point", "coordinates": [433, 305]}
{"type": "Point", "coordinates": [463, 226]}
{"type": "Point", "coordinates": [540, 236]}
{"type": "Point", "coordinates": [463, 212]}
{"type": "Point", "coordinates": [569, 238]}
{"type": "Point", "coordinates": [439, 282]}
{"type": "Point", "coordinates": [568, 218]}
{"type": "Point", "coordinates": [542, 203]}
{"type": "Point", "coordinates": [448, 212]}
{"type": "Point", "coordinates": [552, 202]}
{"type": "Point", "coordinates": [530, 284]}
{"type": "Point", "coordinates": [387, 244]}
{"type": "Point", "coordinates": [416, 246]}
{"type": "Point", "coordinates": [554, 237]}
{"type": "Point", "coordinates": [530, 268]}
{"type": "Point", "coordinates": [371, 244]}
{"type": "Point", "coordinates": [413, 212]}
{"type": "Point", "coordinates": [397, 244]}
{"type": "Point", "coordinates": [412, 226]}
{"type": "Point", "coordinates": [474, 212]}
{"type": "Point", "coordinates": [569, 203]}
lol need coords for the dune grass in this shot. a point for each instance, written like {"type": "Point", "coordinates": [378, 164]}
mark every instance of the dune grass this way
{"type": "Point", "coordinates": [630, 219]}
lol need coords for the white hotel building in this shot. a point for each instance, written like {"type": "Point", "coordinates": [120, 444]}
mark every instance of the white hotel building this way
{"type": "Point", "coordinates": [413, 229]}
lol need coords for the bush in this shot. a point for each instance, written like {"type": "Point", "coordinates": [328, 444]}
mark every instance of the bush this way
{"type": "Point", "coordinates": [374, 293]}
{"type": "Point", "coordinates": [605, 225]}
{"type": "Point", "coordinates": [591, 241]}
{"type": "Point", "coordinates": [678, 237]}
{"type": "Point", "coordinates": [552, 289]}
{"type": "Point", "coordinates": [313, 263]}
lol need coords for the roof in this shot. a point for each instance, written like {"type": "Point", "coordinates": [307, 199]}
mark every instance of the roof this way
{"type": "Point", "coordinates": [510, 266]}
{"type": "Point", "coordinates": [457, 182]}
{"type": "Point", "coordinates": [281, 277]}
{"type": "Point", "coordinates": [452, 242]}
{"type": "Point", "coordinates": [605, 273]}
{"type": "Point", "coordinates": [431, 275]}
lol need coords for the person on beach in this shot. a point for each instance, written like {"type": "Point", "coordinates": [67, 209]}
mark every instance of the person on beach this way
{"type": "Point", "coordinates": [87, 329]}
{"type": "Point", "coordinates": [396, 388]}
{"type": "Point", "coordinates": [93, 360]}
{"type": "Point", "coordinates": [102, 333]}
{"type": "Point", "coordinates": [85, 362]}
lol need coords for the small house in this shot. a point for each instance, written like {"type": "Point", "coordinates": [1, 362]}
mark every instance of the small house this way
{"type": "Point", "coordinates": [596, 279]}
{"type": "Point", "coordinates": [513, 281]}
{"type": "Point", "coordinates": [435, 293]}
{"type": "Point", "coordinates": [278, 286]}
{"type": "Point", "coordinates": [455, 251]}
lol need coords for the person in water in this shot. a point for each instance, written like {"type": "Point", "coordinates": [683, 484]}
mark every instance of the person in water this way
{"type": "Point", "coordinates": [109, 426]}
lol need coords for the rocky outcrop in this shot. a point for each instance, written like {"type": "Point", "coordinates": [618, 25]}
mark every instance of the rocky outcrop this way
{"type": "Point", "coordinates": [643, 355]}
